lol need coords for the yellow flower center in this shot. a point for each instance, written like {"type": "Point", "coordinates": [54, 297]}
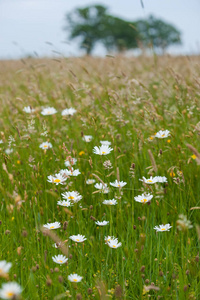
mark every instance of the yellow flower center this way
{"type": "Point", "coordinates": [118, 185]}
{"type": "Point", "coordinates": [60, 261]}
{"type": "Point", "coordinates": [163, 229]}
{"type": "Point", "coordinates": [75, 280]}
{"type": "Point", "coordinates": [45, 146]}
{"type": "Point", "coordinates": [149, 180]}
{"type": "Point", "coordinates": [77, 240]}
{"type": "Point", "coordinates": [52, 227]}
{"type": "Point", "coordinates": [103, 152]}
{"type": "Point", "coordinates": [57, 180]}
{"type": "Point", "coordinates": [144, 200]}
{"type": "Point", "coordinates": [70, 197]}
{"type": "Point", "coordinates": [163, 135]}
{"type": "Point", "coordinates": [10, 294]}
{"type": "Point", "coordinates": [114, 246]}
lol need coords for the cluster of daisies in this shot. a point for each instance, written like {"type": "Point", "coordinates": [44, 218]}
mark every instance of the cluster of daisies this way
{"type": "Point", "coordinates": [51, 111]}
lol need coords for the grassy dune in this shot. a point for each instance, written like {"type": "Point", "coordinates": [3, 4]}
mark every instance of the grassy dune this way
{"type": "Point", "coordinates": [124, 101]}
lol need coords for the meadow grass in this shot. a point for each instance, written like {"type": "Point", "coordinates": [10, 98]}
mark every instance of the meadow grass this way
{"type": "Point", "coordinates": [124, 101]}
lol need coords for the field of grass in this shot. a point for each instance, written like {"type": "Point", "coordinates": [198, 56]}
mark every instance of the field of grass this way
{"type": "Point", "coordinates": [125, 101]}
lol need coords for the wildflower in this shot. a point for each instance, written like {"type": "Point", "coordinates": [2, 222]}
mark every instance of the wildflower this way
{"type": "Point", "coordinates": [163, 227]}
{"type": "Point", "coordinates": [54, 225]}
{"type": "Point", "coordinates": [193, 156]}
{"type": "Point", "coordinates": [60, 259]}
{"type": "Point", "coordinates": [144, 198]}
{"type": "Point", "coordinates": [48, 111]}
{"type": "Point", "coordinates": [68, 111]}
{"type": "Point", "coordinates": [74, 278]}
{"type": "Point", "coordinates": [102, 150]}
{"type": "Point", "coordinates": [45, 145]}
{"type": "Point", "coordinates": [4, 268]}
{"type": "Point", "coordinates": [169, 141]}
{"type": "Point", "coordinates": [70, 162]}
{"type": "Point", "coordinates": [103, 223]}
{"type": "Point", "coordinates": [57, 179]}
{"type": "Point", "coordinates": [90, 181]}
{"type": "Point", "coordinates": [113, 243]}
{"type": "Point", "coordinates": [151, 138]}
{"type": "Point", "coordinates": [65, 203]}
{"type": "Point", "coordinates": [160, 179]}
{"type": "Point", "coordinates": [72, 196]}
{"type": "Point", "coordinates": [78, 238]}
{"type": "Point", "coordinates": [28, 109]}
{"type": "Point", "coordinates": [70, 172]}
{"type": "Point", "coordinates": [151, 180]}
{"type": "Point", "coordinates": [110, 202]}
{"type": "Point", "coordinates": [108, 238]}
{"type": "Point", "coordinates": [118, 184]}
{"type": "Point", "coordinates": [87, 138]}
{"type": "Point", "coordinates": [107, 164]}
{"type": "Point", "coordinates": [105, 143]}
{"type": "Point", "coordinates": [183, 224]}
{"type": "Point", "coordinates": [10, 290]}
{"type": "Point", "coordinates": [162, 134]}
{"type": "Point", "coordinates": [81, 153]}
{"type": "Point", "coordinates": [102, 187]}
{"type": "Point", "coordinates": [8, 151]}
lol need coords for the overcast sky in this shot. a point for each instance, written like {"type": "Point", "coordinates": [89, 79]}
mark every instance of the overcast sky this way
{"type": "Point", "coordinates": [27, 25]}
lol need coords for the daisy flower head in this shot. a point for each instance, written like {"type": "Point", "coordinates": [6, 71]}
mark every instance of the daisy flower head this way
{"type": "Point", "coordinates": [68, 111]}
{"type": "Point", "coordinates": [87, 138]}
{"type": "Point", "coordinates": [118, 184]}
{"type": "Point", "coordinates": [28, 109]}
{"type": "Point", "coordinates": [45, 145]}
{"type": "Point", "coordinates": [105, 143]}
{"type": "Point", "coordinates": [74, 278]}
{"type": "Point", "coordinates": [108, 238]}
{"type": "Point", "coordinates": [65, 203]}
{"type": "Point", "coordinates": [54, 225]}
{"type": "Point", "coordinates": [57, 179]}
{"type": "Point", "coordinates": [90, 181]}
{"type": "Point", "coordinates": [110, 202]}
{"type": "Point", "coordinates": [9, 151]}
{"type": "Point", "coordinates": [70, 162]}
{"type": "Point", "coordinates": [102, 150]}
{"type": "Point", "coordinates": [160, 179]}
{"type": "Point", "coordinates": [10, 290]}
{"type": "Point", "coordinates": [113, 243]}
{"type": "Point", "coordinates": [78, 238]}
{"type": "Point", "coordinates": [72, 196]}
{"type": "Point", "coordinates": [102, 187]}
{"type": "Point", "coordinates": [4, 268]}
{"type": "Point", "coordinates": [162, 134]}
{"type": "Point", "coordinates": [151, 180]}
{"type": "Point", "coordinates": [48, 111]}
{"type": "Point", "coordinates": [70, 172]}
{"type": "Point", "coordinates": [103, 223]}
{"type": "Point", "coordinates": [60, 259]}
{"type": "Point", "coordinates": [144, 198]}
{"type": "Point", "coordinates": [162, 227]}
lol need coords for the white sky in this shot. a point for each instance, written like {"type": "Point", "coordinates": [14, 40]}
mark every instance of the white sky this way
{"type": "Point", "coordinates": [26, 25]}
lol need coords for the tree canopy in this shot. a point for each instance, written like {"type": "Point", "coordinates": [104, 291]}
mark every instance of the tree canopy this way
{"type": "Point", "coordinates": [94, 24]}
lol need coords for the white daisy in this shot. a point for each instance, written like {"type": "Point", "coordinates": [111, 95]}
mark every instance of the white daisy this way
{"type": "Point", "coordinates": [78, 238]}
{"type": "Point", "coordinates": [68, 111]}
{"type": "Point", "coordinates": [45, 145]}
{"type": "Point", "coordinates": [108, 238]}
{"type": "Point", "coordinates": [163, 227]}
{"type": "Point", "coordinates": [48, 111]}
{"type": "Point", "coordinates": [161, 179]}
{"type": "Point", "coordinates": [144, 198]}
{"type": "Point", "coordinates": [72, 196]}
{"type": "Point", "coordinates": [114, 243]}
{"type": "Point", "coordinates": [4, 268]}
{"type": "Point", "coordinates": [151, 180]}
{"type": "Point", "coordinates": [118, 184]}
{"type": "Point", "coordinates": [103, 223]}
{"type": "Point", "coordinates": [90, 181]}
{"type": "Point", "coordinates": [57, 179]}
{"type": "Point", "coordinates": [54, 225]}
{"type": "Point", "coordinates": [70, 172]}
{"type": "Point", "coordinates": [74, 278]}
{"type": "Point", "coordinates": [162, 134]}
{"type": "Point", "coordinates": [10, 290]}
{"type": "Point", "coordinates": [70, 162]}
{"type": "Point", "coordinates": [110, 202]}
{"type": "Point", "coordinates": [65, 203]}
{"type": "Point", "coordinates": [28, 109]}
{"type": "Point", "coordinates": [9, 151]}
{"type": "Point", "coordinates": [87, 138]}
{"type": "Point", "coordinates": [105, 143]}
{"type": "Point", "coordinates": [102, 187]}
{"type": "Point", "coordinates": [60, 259]}
{"type": "Point", "coordinates": [102, 150]}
